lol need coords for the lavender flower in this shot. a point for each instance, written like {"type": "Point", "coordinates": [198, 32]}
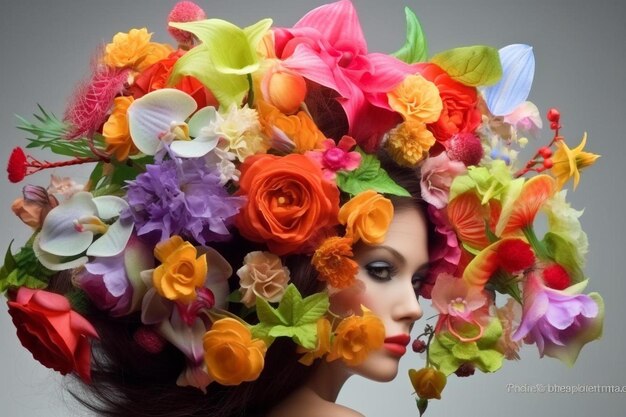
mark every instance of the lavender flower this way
{"type": "Point", "coordinates": [182, 197]}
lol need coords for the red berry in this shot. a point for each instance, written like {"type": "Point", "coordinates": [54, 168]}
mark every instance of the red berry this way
{"type": "Point", "coordinates": [18, 165]}
{"type": "Point", "coordinates": [515, 255]}
{"type": "Point", "coordinates": [467, 369]}
{"type": "Point", "coordinates": [547, 163]}
{"type": "Point", "coordinates": [419, 346]}
{"type": "Point", "coordinates": [149, 340]}
{"type": "Point", "coordinates": [545, 152]}
{"type": "Point", "coordinates": [555, 276]}
{"type": "Point", "coordinates": [465, 147]}
{"type": "Point", "coordinates": [555, 126]}
{"type": "Point", "coordinates": [554, 115]}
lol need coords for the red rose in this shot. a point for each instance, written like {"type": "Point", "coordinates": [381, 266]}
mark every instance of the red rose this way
{"type": "Point", "coordinates": [460, 113]}
{"type": "Point", "coordinates": [155, 78]}
{"type": "Point", "coordinates": [56, 335]}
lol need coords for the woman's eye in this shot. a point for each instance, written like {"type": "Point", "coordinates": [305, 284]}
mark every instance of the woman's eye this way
{"type": "Point", "coordinates": [417, 281]}
{"type": "Point", "coordinates": [381, 271]}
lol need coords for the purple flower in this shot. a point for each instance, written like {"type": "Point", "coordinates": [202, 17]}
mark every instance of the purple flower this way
{"type": "Point", "coordinates": [182, 197]}
{"type": "Point", "coordinates": [559, 322]}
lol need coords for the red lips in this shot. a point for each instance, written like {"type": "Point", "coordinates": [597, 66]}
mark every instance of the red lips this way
{"type": "Point", "coordinates": [397, 344]}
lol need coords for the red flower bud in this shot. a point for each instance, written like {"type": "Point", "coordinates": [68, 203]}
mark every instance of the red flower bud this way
{"type": "Point", "coordinates": [553, 115]}
{"type": "Point", "coordinates": [547, 163]}
{"type": "Point", "coordinates": [555, 276]}
{"type": "Point", "coordinates": [17, 166]}
{"type": "Point", "coordinates": [545, 152]}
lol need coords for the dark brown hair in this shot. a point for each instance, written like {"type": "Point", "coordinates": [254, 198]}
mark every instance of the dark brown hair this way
{"type": "Point", "coordinates": [129, 381]}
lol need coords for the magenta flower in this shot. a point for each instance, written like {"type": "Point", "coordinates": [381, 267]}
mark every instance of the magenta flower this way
{"type": "Point", "coordinates": [333, 158]}
{"type": "Point", "coordinates": [327, 46]}
{"type": "Point", "coordinates": [559, 322]}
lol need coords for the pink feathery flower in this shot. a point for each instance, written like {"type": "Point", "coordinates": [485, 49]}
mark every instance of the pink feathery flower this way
{"type": "Point", "coordinates": [184, 11]}
{"type": "Point", "coordinates": [333, 158]}
{"type": "Point", "coordinates": [89, 105]}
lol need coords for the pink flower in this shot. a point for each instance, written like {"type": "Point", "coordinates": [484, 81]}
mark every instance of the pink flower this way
{"type": "Point", "coordinates": [327, 46]}
{"type": "Point", "coordinates": [460, 306]}
{"type": "Point", "coordinates": [437, 175]}
{"type": "Point", "coordinates": [335, 158]}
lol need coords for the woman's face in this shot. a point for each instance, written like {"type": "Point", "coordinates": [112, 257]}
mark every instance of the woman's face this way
{"type": "Point", "coordinates": [391, 273]}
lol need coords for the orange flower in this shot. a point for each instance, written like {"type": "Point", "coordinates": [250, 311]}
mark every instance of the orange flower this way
{"type": "Point", "coordinates": [231, 354]}
{"type": "Point", "coordinates": [181, 272]}
{"type": "Point", "coordinates": [416, 99]}
{"type": "Point", "coordinates": [284, 89]}
{"type": "Point", "coordinates": [299, 127]}
{"type": "Point", "coordinates": [356, 337]}
{"type": "Point", "coordinates": [333, 260]}
{"type": "Point", "coordinates": [428, 382]}
{"type": "Point", "coordinates": [288, 202]}
{"type": "Point", "coordinates": [134, 50]}
{"type": "Point", "coordinates": [367, 217]}
{"type": "Point", "coordinates": [408, 143]}
{"type": "Point", "coordinates": [323, 343]}
{"type": "Point", "coordinates": [115, 130]}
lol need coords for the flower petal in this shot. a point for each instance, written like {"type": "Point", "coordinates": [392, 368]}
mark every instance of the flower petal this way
{"type": "Point", "coordinates": [534, 194]}
{"type": "Point", "coordinates": [109, 206]}
{"type": "Point", "coordinates": [196, 148]}
{"type": "Point", "coordinates": [53, 262]}
{"type": "Point", "coordinates": [113, 241]}
{"type": "Point", "coordinates": [150, 116]}
{"type": "Point", "coordinates": [203, 118]}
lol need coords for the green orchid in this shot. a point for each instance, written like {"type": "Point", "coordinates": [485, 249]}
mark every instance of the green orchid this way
{"type": "Point", "coordinates": [224, 59]}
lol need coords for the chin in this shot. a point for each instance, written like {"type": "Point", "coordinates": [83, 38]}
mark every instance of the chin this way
{"type": "Point", "coordinates": [379, 366]}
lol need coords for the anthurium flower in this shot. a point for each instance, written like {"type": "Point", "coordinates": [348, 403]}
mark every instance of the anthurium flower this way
{"type": "Point", "coordinates": [559, 322]}
{"type": "Point", "coordinates": [160, 117]}
{"type": "Point", "coordinates": [327, 46]}
{"type": "Point", "coordinates": [70, 230]}
{"type": "Point", "coordinates": [569, 162]}
{"type": "Point", "coordinates": [224, 59]}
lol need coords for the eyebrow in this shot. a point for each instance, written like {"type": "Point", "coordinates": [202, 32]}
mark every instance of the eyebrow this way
{"type": "Point", "coordinates": [401, 258]}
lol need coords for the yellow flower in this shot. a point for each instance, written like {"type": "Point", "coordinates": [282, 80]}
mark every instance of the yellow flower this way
{"type": "Point", "coordinates": [367, 217]}
{"type": "Point", "coordinates": [567, 162]}
{"type": "Point", "coordinates": [333, 261]}
{"type": "Point", "coordinates": [231, 354]}
{"type": "Point", "coordinates": [134, 50]}
{"type": "Point", "coordinates": [115, 130]}
{"type": "Point", "coordinates": [180, 272]}
{"type": "Point", "coordinates": [356, 337]}
{"type": "Point", "coordinates": [416, 99]}
{"type": "Point", "coordinates": [323, 343]}
{"type": "Point", "coordinates": [408, 143]}
{"type": "Point", "coordinates": [428, 382]}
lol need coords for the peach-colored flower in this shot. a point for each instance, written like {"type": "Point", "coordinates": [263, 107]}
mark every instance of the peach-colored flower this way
{"type": "Point", "coordinates": [509, 315]}
{"type": "Point", "coordinates": [262, 275]}
{"type": "Point", "coordinates": [134, 50]}
{"type": "Point", "coordinates": [323, 343]}
{"type": "Point", "coordinates": [333, 261]}
{"type": "Point", "coordinates": [116, 132]}
{"type": "Point", "coordinates": [231, 354]}
{"type": "Point", "coordinates": [356, 337]}
{"type": "Point", "coordinates": [64, 186]}
{"type": "Point", "coordinates": [180, 272]}
{"type": "Point", "coordinates": [367, 217]}
{"type": "Point", "coordinates": [283, 89]}
{"type": "Point", "coordinates": [416, 99]}
{"type": "Point", "coordinates": [409, 142]}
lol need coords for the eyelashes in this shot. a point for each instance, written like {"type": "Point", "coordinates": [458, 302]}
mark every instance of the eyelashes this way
{"type": "Point", "coordinates": [383, 271]}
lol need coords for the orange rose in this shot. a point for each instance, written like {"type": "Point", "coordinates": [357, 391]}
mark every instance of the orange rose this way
{"type": "Point", "coordinates": [230, 353]}
{"type": "Point", "coordinates": [356, 337]}
{"type": "Point", "coordinates": [299, 128]}
{"type": "Point", "coordinates": [288, 202]}
{"type": "Point", "coordinates": [367, 217]}
{"type": "Point", "coordinates": [116, 132]}
{"type": "Point", "coordinates": [428, 382]}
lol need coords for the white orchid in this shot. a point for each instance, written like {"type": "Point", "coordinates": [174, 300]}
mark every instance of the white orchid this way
{"type": "Point", "coordinates": [160, 117]}
{"type": "Point", "coordinates": [78, 227]}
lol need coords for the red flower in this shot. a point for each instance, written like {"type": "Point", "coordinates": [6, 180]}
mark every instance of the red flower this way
{"type": "Point", "coordinates": [459, 114]}
{"type": "Point", "coordinates": [515, 255]}
{"type": "Point", "coordinates": [56, 335]}
{"type": "Point", "coordinates": [155, 78]}
{"type": "Point", "coordinates": [17, 165]}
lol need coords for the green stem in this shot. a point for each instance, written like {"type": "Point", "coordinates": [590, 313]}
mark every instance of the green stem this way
{"type": "Point", "coordinates": [537, 245]}
{"type": "Point", "coordinates": [250, 91]}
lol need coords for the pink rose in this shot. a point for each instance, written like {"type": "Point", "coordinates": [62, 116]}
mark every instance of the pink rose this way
{"type": "Point", "coordinates": [437, 175]}
{"type": "Point", "coordinates": [56, 335]}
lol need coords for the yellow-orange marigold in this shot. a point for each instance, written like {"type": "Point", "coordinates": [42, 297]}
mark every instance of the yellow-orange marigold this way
{"type": "Point", "coordinates": [356, 337]}
{"type": "Point", "coordinates": [116, 132]}
{"type": "Point", "coordinates": [180, 272]}
{"type": "Point", "coordinates": [323, 343]}
{"type": "Point", "coordinates": [367, 217]}
{"type": "Point", "coordinates": [416, 99]}
{"type": "Point", "coordinates": [408, 143]}
{"type": "Point", "coordinates": [134, 50]}
{"type": "Point", "coordinates": [231, 355]}
{"type": "Point", "coordinates": [333, 261]}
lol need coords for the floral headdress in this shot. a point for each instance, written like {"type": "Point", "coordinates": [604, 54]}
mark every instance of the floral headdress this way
{"type": "Point", "coordinates": [273, 134]}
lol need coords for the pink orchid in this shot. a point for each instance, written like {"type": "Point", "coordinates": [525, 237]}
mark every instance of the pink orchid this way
{"type": "Point", "coordinates": [336, 157]}
{"type": "Point", "coordinates": [327, 47]}
{"type": "Point", "coordinates": [460, 305]}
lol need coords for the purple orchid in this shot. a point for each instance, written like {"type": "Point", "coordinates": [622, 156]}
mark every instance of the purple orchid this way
{"type": "Point", "coordinates": [327, 46]}
{"type": "Point", "coordinates": [559, 322]}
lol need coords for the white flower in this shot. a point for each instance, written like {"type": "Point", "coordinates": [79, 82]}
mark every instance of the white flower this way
{"type": "Point", "coordinates": [242, 130]}
{"type": "Point", "coordinates": [76, 228]}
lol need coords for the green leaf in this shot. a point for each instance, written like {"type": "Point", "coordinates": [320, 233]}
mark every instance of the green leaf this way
{"type": "Point", "coordinates": [262, 331]}
{"type": "Point", "coordinates": [477, 65]}
{"type": "Point", "coordinates": [287, 306]}
{"type": "Point", "coordinates": [422, 405]}
{"type": "Point", "coordinates": [268, 314]}
{"type": "Point", "coordinates": [311, 309]}
{"type": "Point", "coordinates": [565, 254]}
{"type": "Point", "coordinates": [489, 360]}
{"type": "Point", "coordinates": [415, 48]}
{"type": "Point", "coordinates": [9, 261]}
{"type": "Point", "coordinates": [369, 176]}
{"type": "Point", "coordinates": [23, 270]}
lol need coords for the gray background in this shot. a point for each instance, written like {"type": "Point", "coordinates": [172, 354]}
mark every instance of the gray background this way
{"type": "Point", "coordinates": [580, 53]}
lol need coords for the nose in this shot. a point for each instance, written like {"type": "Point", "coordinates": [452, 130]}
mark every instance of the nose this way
{"type": "Point", "coordinates": [407, 308]}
